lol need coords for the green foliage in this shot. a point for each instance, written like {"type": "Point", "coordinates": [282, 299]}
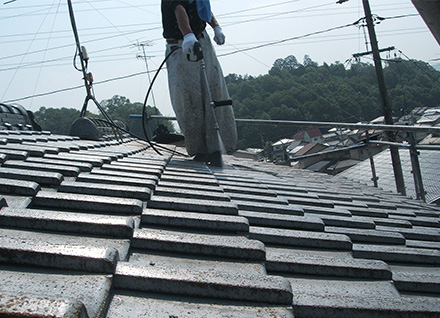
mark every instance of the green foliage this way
{"type": "Point", "coordinates": [309, 92]}
{"type": "Point", "coordinates": [57, 121]}
{"type": "Point", "coordinates": [120, 108]}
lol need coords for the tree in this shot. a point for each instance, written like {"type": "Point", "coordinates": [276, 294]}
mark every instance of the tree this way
{"type": "Point", "coordinates": [57, 121]}
{"type": "Point", "coordinates": [295, 91]}
{"type": "Point", "coordinates": [115, 104]}
{"type": "Point", "coordinates": [120, 108]}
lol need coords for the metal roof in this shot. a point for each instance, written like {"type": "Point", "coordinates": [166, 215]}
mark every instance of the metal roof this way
{"type": "Point", "coordinates": [429, 165]}
{"type": "Point", "coordinates": [111, 229]}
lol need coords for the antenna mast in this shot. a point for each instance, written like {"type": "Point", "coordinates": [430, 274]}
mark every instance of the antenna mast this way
{"type": "Point", "coordinates": [88, 79]}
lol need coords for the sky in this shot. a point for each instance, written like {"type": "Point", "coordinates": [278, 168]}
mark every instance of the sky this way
{"type": "Point", "coordinates": [37, 46]}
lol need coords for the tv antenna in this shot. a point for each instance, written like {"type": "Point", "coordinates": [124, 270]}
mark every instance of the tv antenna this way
{"type": "Point", "coordinates": [144, 57]}
{"type": "Point", "coordinates": [87, 77]}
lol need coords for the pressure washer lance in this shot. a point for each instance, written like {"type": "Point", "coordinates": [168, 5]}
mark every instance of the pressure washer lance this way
{"type": "Point", "coordinates": [199, 57]}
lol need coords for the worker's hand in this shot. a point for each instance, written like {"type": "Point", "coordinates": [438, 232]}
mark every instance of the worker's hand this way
{"type": "Point", "coordinates": [188, 43]}
{"type": "Point", "coordinates": [219, 36]}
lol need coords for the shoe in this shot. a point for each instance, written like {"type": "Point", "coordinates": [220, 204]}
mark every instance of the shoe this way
{"type": "Point", "coordinates": [200, 157]}
{"type": "Point", "coordinates": [215, 159]}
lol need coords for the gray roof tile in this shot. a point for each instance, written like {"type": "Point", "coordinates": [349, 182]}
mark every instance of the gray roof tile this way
{"type": "Point", "coordinates": [220, 285]}
{"type": "Point", "coordinates": [238, 247]}
{"type": "Point", "coordinates": [247, 240]}
{"type": "Point", "coordinates": [53, 293]}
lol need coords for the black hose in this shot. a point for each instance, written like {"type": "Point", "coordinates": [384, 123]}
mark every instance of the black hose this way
{"type": "Point", "coordinates": [145, 140]}
{"type": "Point", "coordinates": [144, 109]}
{"type": "Point", "coordinates": [153, 145]}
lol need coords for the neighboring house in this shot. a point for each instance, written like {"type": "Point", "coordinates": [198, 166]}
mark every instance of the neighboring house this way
{"type": "Point", "coordinates": [431, 117]}
{"type": "Point", "coordinates": [294, 147]}
{"type": "Point", "coordinates": [335, 136]}
{"type": "Point", "coordinates": [432, 139]}
{"type": "Point", "coordinates": [412, 117]}
{"type": "Point", "coordinates": [309, 135]}
{"type": "Point", "coordinates": [303, 158]}
{"type": "Point", "coordinates": [250, 153]}
{"type": "Point", "coordinates": [340, 149]}
{"type": "Point", "coordinates": [279, 150]}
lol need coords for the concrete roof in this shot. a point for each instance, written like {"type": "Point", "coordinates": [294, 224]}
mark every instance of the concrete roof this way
{"type": "Point", "coordinates": [111, 229]}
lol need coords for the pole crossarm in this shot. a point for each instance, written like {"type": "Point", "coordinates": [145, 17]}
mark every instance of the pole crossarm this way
{"type": "Point", "coordinates": [391, 48]}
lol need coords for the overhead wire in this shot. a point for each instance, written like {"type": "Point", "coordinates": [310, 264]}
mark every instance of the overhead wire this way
{"type": "Point", "coordinates": [44, 55]}
{"type": "Point", "coordinates": [246, 49]}
{"type": "Point", "coordinates": [279, 42]}
{"type": "Point", "coordinates": [424, 71]}
{"type": "Point", "coordinates": [278, 14]}
{"type": "Point", "coordinates": [127, 33]}
{"type": "Point", "coordinates": [23, 57]}
{"type": "Point", "coordinates": [158, 53]}
{"type": "Point", "coordinates": [111, 23]}
{"type": "Point", "coordinates": [287, 40]}
{"type": "Point", "coordinates": [41, 11]}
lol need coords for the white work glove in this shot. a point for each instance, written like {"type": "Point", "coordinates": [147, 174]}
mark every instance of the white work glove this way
{"type": "Point", "coordinates": [219, 36]}
{"type": "Point", "coordinates": [188, 43]}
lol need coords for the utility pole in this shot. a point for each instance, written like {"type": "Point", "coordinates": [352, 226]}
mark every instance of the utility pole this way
{"type": "Point", "coordinates": [386, 106]}
{"type": "Point", "coordinates": [144, 57]}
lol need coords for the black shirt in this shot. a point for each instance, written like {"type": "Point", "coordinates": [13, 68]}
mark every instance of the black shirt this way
{"type": "Point", "coordinates": [169, 22]}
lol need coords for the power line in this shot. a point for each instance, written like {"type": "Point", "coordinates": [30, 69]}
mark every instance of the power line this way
{"type": "Point", "coordinates": [76, 87]}
{"type": "Point", "coordinates": [281, 13]}
{"type": "Point", "coordinates": [141, 73]}
{"type": "Point", "coordinates": [70, 45]}
{"type": "Point", "coordinates": [127, 33]}
{"type": "Point", "coordinates": [15, 73]}
{"type": "Point", "coordinates": [288, 39]}
{"type": "Point", "coordinates": [128, 55]}
{"type": "Point", "coordinates": [120, 32]}
{"type": "Point", "coordinates": [265, 44]}
{"type": "Point", "coordinates": [41, 66]}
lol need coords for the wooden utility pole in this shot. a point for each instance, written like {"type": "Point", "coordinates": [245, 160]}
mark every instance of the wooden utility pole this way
{"type": "Point", "coordinates": [386, 106]}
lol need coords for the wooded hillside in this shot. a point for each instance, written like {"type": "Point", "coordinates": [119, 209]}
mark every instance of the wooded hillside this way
{"type": "Point", "coordinates": [308, 91]}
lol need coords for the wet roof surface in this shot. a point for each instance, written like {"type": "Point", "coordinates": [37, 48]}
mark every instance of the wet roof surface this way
{"type": "Point", "coordinates": [108, 229]}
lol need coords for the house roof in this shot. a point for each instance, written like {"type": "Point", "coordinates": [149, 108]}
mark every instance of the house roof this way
{"type": "Point", "coordinates": [112, 229]}
{"type": "Point", "coordinates": [283, 142]}
{"type": "Point", "coordinates": [431, 140]}
{"type": "Point", "coordinates": [312, 132]}
{"type": "Point", "coordinates": [309, 148]}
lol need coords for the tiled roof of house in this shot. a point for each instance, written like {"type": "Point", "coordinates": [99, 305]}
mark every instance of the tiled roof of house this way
{"type": "Point", "coordinates": [111, 229]}
{"type": "Point", "coordinates": [309, 148]}
{"type": "Point", "coordinates": [312, 132]}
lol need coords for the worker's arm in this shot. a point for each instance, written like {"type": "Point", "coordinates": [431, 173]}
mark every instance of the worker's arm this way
{"type": "Point", "coordinates": [214, 23]}
{"type": "Point", "coordinates": [219, 36]}
{"type": "Point", "coordinates": [182, 20]}
{"type": "Point", "coordinates": [189, 39]}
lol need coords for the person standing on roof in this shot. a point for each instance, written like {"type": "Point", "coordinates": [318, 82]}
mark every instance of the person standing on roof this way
{"type": "Point", "coordinates": [184, 24]}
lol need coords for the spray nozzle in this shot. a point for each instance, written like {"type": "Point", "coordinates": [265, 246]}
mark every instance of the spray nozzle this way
{"type": "Point", "coordinates": [197, 53]}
